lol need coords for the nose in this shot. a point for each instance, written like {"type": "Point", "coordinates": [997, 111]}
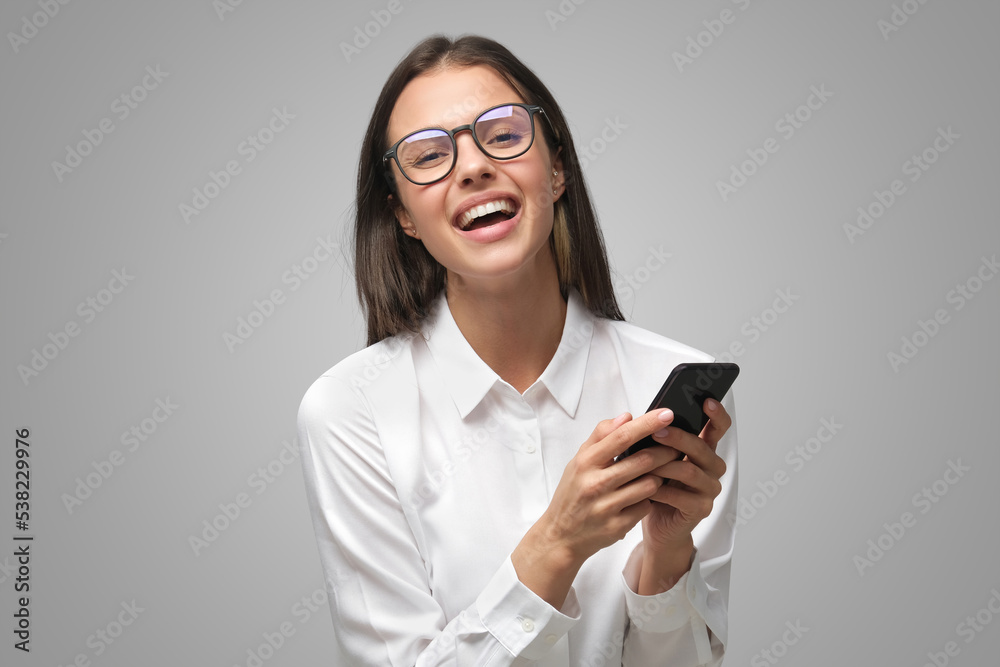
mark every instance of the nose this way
{"type": "Point", "coordinates": [471, 164]}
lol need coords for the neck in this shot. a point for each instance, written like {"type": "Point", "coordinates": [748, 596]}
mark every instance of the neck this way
{"type": "Point", "coordinates": [516, 326]}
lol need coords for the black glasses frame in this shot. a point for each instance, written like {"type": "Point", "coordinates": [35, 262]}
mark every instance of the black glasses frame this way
{"type": "Point", "coordinates": [532, 109]}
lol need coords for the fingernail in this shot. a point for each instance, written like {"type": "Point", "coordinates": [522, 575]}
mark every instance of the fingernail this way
{"type": "Point", "coordinates": [620, 419]}
{"type": "Point", "coordinates": [666, 416]}
{"type": "Point", "coordinates": [662, 433]}
{"type": "Point", "coordinates": [711, 404]}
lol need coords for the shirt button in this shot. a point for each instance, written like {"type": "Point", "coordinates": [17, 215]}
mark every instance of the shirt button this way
{"type": "Point", "coordinates": [530, 448]}
{"type": "Point", "coordinates": [671, 610]}
{"type": "Point", "coordinates": [527, 624]}
{"type": "Point", "coordinates": [551, 639]}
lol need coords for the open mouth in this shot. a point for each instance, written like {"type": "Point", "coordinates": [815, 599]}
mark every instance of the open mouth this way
{"type": "Point", "coordinates": [487, 214]}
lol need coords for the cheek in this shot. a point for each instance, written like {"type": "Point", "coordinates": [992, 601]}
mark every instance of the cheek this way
{"type": "Point", "coordinates": [425, 206]}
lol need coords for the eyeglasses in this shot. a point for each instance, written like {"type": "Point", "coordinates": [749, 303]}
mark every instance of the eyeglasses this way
{"type": "Point", "coordinates": [502, 132]}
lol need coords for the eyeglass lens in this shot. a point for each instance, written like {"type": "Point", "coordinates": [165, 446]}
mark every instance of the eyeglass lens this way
{"type": "Point", "coordinates": [503, 133]}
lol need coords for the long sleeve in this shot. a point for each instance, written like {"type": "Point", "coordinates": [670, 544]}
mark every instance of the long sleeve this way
{"type": "Point", "coordinates": [381, 600]}
{"type": "Point", "coordinates": [688, 624]}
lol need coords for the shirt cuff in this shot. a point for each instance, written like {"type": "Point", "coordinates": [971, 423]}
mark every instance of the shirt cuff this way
{"type": "Point", "coordinates": [525, 624]}
{"type": "Point", "coordinates": [671, 609]}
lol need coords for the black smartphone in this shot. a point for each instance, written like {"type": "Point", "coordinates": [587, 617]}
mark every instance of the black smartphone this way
{"type": "Point", "coordinates": [684, 392]}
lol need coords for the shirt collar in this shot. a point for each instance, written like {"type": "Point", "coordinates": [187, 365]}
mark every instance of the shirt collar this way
{"type": "Point", "coordinates": [564, 375]}
{"type": "Point", "coordinates": [468, 378]}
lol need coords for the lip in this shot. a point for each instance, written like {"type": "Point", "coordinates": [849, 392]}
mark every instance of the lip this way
{"type": "Point", "coordinates": [480, 199]}
{"type": "Point", "coordinates": [494, 232]}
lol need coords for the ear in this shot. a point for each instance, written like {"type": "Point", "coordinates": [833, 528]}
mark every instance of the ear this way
{"type": "Point", "coordinates": [559, 179]}
{"type": "Point", "coordinates": [403, 217]}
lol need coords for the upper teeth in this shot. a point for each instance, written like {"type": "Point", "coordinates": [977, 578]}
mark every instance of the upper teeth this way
{"type": "Point", "coordinates": [479, 211]}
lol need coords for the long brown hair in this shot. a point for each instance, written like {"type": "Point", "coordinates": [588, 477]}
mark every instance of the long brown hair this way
{"type": "Point", "coordinates": [397, 279]}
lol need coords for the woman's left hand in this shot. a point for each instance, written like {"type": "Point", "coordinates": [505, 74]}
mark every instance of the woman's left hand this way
{"type": "Point", "coordinates": [692, 484]}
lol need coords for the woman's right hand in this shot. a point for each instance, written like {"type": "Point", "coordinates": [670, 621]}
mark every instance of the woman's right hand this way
{"type": "Point", "coordinates": [596, 503]}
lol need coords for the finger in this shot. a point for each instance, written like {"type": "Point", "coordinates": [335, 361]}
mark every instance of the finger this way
{"type": "Point", "coordinates": [641, 463]}
{"type": "Point", "coordinates": [694, 448]}
{"type": "Point", "coordinates": [690, 477]}
{"type": "Point", "coordinates": [627, 518]}
{"type": "Point", "coordinates": [630, 432]}
{"type": "Point", "coordinates": [630, 493]}
{"type": "Point", "coordinates": [669, 453]}
{"type": "Point", "coordinates": [606, 426]}
{"type": "Point", "coordinates": [691, 505]}
{"type": "Point", "coordinates": [719, 422]}
{"type": "Point", "coordinates": [661, 439]}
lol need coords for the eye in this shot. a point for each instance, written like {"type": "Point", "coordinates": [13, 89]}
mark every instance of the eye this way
{"type": "Point", "coordinates": [428, 158]}
{"type": "Point", "coordinates": [505, 137]}
{"type": "Point", "coordinates": [424, 149]}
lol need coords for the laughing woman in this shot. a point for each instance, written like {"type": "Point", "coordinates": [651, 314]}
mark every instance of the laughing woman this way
{"type": "Point", "coordinates": [461, 469]}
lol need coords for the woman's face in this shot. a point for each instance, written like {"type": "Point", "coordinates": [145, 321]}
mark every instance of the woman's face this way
{"type": "Point", "coordinates": [436, 214]}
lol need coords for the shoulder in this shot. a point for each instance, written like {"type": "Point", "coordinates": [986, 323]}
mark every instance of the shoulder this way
{"type": "Point", "coordinates": [638, 343]}
{"type": "Point", "coordinates": [343, 390]}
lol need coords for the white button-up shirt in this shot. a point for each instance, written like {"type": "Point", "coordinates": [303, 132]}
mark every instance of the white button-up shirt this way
{"type": "Point", "coordinates": [424, 470]}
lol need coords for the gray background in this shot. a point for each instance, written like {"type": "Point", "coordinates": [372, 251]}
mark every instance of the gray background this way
{"type": "Point", "coordinates": [654, 183]}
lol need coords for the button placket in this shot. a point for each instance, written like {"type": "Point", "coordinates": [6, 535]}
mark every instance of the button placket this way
{"type": "Point", "coordinates": [527, 443]}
